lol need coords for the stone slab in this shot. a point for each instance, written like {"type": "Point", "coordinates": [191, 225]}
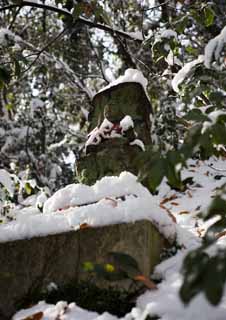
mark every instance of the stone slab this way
{"type": "Point", "coordinates": [26, 265]}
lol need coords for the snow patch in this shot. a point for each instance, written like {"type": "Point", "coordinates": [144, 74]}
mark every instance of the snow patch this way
{"type": "Point", "coordinates": [214, 47]}
{"type": "Point", "coordinates": [185, 72]}
{"type": "Point", "coordinates": [111, 200]}
{"type": "Point", "coordinates": [131, 75]}
{"type": "Point", "coordinates": [6, 181]}
{"type": "Point", "coordinates": [168, 33]}
{"type": "Point", "coordinates": [139, 143]}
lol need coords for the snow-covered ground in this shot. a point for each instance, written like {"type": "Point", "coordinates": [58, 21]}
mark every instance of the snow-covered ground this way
{"type": "Point", "coordinates": [116, 199]}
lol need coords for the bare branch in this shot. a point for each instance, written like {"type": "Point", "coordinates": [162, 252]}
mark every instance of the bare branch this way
{"type": "Point", "coordinates": [99, 60]}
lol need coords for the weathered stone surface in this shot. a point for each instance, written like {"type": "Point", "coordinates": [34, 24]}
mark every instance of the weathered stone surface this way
{"type": "Point", "coordinates": [26, 265]}
{"type": "Point", "coordinates": [115, 103]}
{"type": "Point", "coordinates": [109, 159]}
{"type": "Point", "coordinates": [113, 156]}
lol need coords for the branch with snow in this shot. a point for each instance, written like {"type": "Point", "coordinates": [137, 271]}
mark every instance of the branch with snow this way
{"type": "Point", "coordinates": [214, 48]}
{"type": "Point", "coordinates": [185, 72]}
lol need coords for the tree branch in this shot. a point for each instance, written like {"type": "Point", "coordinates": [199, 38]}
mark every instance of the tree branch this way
{"type": "Point", "coordinates": [85, 21]}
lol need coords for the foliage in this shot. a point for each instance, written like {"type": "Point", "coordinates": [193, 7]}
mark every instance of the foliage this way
{"type": "Point", "coordinates": [205, 268]}
{"type": "Point", "coordinates": [52, 59]}
{"type": "Point", "coordinates": [87, 295]}
{"type": "Point", "coordinates": [120, 266]}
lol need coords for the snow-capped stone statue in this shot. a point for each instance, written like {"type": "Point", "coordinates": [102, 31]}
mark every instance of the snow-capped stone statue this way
{"type": "Point", "coordinates": [119, 129]}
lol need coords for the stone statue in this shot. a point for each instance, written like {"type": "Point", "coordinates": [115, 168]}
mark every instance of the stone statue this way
{"type": "Point", "coordinates": [119, 130]}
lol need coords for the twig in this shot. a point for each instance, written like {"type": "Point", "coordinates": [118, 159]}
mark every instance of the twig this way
{"type": "Point", "coordinates": [216, 169]}
{"type": "Point", "coordinates": [44, 49]}
{"type": "Point", "coordinates": [99, 61]}
{"type": "Point", "coordinates": [14, 17]}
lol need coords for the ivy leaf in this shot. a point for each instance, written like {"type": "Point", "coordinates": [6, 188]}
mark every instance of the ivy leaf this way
{"type": "Point", "coordinates": [196, 115]}
{"type": "Point", "coordinates": [125, 263]}
{"type": "Point", "coordinates": [102, 271]}
{"type": "Point", "coordinates": [209, 15]}
{"type": "Point", "coordinates": [101, 14]}
{"type": "Point", "coordinates": [17, 68]}
{"type": "Point", "coordinates": [217, 207]}
{"type": "Point", "coordinates": [193, 270]}
{"type": "Point", "coordinates": [28, 188]}
{"type": "Point", "coordinates": [157, 172]}
{"type": "Point", "coordinates": [214, 285]}
{"type": "Point", "coordinates": [4, 75]}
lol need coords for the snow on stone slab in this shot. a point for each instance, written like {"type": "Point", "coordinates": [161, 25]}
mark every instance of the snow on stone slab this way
{"type": "Point", "coordinates": [185, 72]}
{"type": "Point", "coordinates": [111, 200]}
{"type": "Point", "coordinates": [131, 75]}
{"type": "Point", "coordinates": [79, 194]}
{"type": "Point", "coordinates": [6, 181]}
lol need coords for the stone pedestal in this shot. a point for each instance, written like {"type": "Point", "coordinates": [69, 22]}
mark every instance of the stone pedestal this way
{"type": "Point", "coordinates": [26, 265]}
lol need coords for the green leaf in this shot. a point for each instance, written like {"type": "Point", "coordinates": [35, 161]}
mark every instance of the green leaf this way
{"type": "Point", "coordinates": [157, 172]}
{"type": "Point", "coordinates": [28, 188]}
{"type": "Point", "coordinates": [172, 173]}
{"type": "Point", "coordinates": [17, 68]}
{"type": "Point", "coordinates": [124, 262]}
{"type": "Point", "coordinates": [88, 266]}
{"type": "Point", "coordinates": [100, 13]}
{"type": "Point", "coordinates": [217, 207]}
{"type": "Point", "coordinates": [209, 15]}
{"type": "Point", "coordinates": [181, 24]}
{"type": "Point", "coordinates": [193, 270]}
{"type": "Point", "coordinates": [4, 75]}
{"type": "Point", "coordinates": [78, 10]}
{"type": "Point", "coordinates": [214, 285]}
{"type": "Point", "coordinates": [196, 115]}
{"type": "Point", "coordinates": [103, 273]}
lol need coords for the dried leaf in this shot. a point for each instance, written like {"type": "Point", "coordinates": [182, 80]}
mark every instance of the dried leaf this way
{"type": "Point", "coordinates": [147, 282]}
{"type": "Point", "coordinates": [84, 226]}
{"type": "Point", "coordinates": [173, 197]}
{"type": "Point", "coordinates": [174, 203]}
{"type": "Point", "coordinates": [35, 316]}
{"type": "Point", "coordinates": [189, 194]}
{"type": "Point", "coordinates": [221, 234]}
{"type": "Point", "coordinates": [184, 212]}
{"type": "Point", "coordinates": [169, 213]}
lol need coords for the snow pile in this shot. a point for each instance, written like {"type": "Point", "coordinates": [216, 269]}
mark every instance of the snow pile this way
{"type": "Point", "coordinates": [111, 200]}
{"type": "Point", "coordinates": [214, 47]}
{"type": "Point", "coordinates": [6, 181]}
{"type": "Point", "coordinates": [165, 302]}
{"type": "Point", "coordinates": [131, 75]}
{"type": "Point", "coordinates": [185, 72]}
